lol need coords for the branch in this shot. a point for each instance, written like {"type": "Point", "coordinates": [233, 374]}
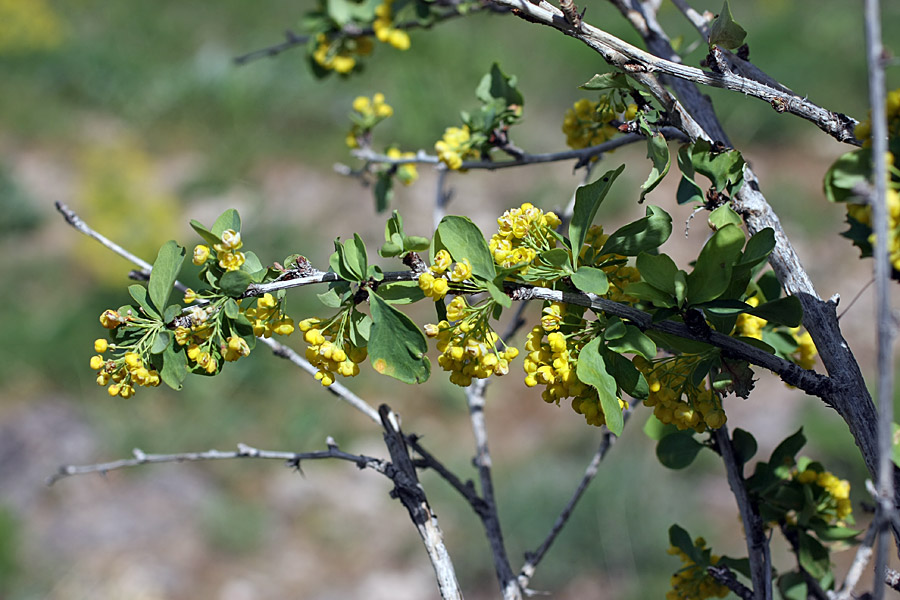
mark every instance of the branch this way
{"type": "Point", "coordinates": [336, 388]}
{"type": "Point", "coordinates": [491, 521]}
{"type": "Point", "coordinates": [244, 451]}
{"type": "Point", "coordinates": [532, 559]}
{"type": "Point", "coordinates": [886, 325]}
{"type": "Point", "coordinates": [850, 396]}
{"type": "Point", "coordinates": [582, 155]}
{"type": "Point", "coordinates": [641, 65]}
{"type": "Point", "coordinates": [757, 544]}
{"type": "Point", "coordinates": [292, 40]}
{"type": "Point", "coordinates": [726, 577]}
{"type": "Point", "coordinates": [410, 493]}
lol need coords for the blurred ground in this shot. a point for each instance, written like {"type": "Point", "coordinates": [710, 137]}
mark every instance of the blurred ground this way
{"type": "Point", "coordinates": [134, 116]}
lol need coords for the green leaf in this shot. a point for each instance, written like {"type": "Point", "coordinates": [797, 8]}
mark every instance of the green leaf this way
{"type": "Point", "coordinates": [336, 294]}
{"type": "Point", "coordinates": [360, 328]}
{"type": "Point", "coordinates": [338, 263]}
{"type": "Point", "coordinates": [812, 555]}
{"type": "Point", "coordinates": [783, 455]}
{"type": "Point", "coordinates": [759, 247]}
{"type": "Point", "coordinates": [608, 81]}
{"type": "Point", "coordinates": [208, 236]}
{"type": "Point", "coordinates": [658, 270]}
{"type": "Point", "coordinates": [172, 311]}
{"type": "Point", "coordinates": [678, 450]}
{"type": "Point", "coordinates": [644, 235]}
{"type": "Point", "coordinates": [658, 153]}
{"type": "Point", "coordinates": [160, 342]}
{"type": "Point", "coordinates": [174, 368]}
{"type": "Point", "coordinates": [724, 169]}
{"type": "Point", "coordinates": [356, 255]}
{"type": "Point", "coordinates": [139, 293]}
{"type": "Point", "coordinates": [495, 289]}
{"type": "Point", "coordinates": [634, 342]}
{"type": "Point", "coordinates": [415, 243]}
{"type": "Point", "coordinates": [555, 257]}
{"type": "Point", "coordinates": [846, 174]}
{"type": "Point", "coordinates": [462, 239]}
{"type": "Point", "coordinates": [401, 292]}
{"type": "Point", "coordinates": [165, 271]}
{"type": "Point", "coordinates": [792, 586]}
{"type": "Point", "coordinates": [232, 310]}
{"type": "Point", "coordinates": [234, 283]}
{"type": "Point", "coordinates": [648, 293]}
{"type": "Point", "coordinates": [591, 369]}
{"type": "Point", "coordinates": [396, 346]}
{"type": "Point", "coordinates": [230, 219]}
{"type": "Point", "coordinates": [497, 86]}
{"type": "Point", "coordinates": [626, 375]}
{"type": "Point", "coordinates": [724, 215]}
{"type": "Point", "coordinates": [587, 200]}
{"type": "Point", "coordinates": [712, 271]}
{"type": "Point", "coordinates": [744, 445]}
{"type": "Point", "coordinates": [725, 32]}
{"type": "Point", "coordinates": [384, 191]}
{"type": "Point", "coordinates": [680, 539]}
{"type": "Point", "coordinates": [783, 311]}
{"type": "Point", "coordinates": [688, 189]}
{"type": "Point", "coordinates": [656, 429]}
{"type": "Point", "coordinates": [590, 280]}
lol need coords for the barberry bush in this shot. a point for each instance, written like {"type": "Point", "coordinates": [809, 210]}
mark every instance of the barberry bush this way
{"type": "Point", "coordinates": [600, 319]}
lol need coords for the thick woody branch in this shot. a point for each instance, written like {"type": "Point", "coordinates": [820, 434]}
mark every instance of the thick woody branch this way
{"type": "Point", "coordinates": [244, 451]}
{"type": "Point", "coordinates": [642, 65]}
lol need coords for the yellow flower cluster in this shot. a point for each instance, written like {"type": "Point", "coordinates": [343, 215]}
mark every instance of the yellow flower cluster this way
{"type": "Point", "coordinates": [385, 30]}
{"type": "Point", "coordinates": [552, 363]}
{"type": "Point", "coordinates": [123, 373]}
{"type": "Point", "coordinates": [617, 271]}
{"type": "Point", "coordinates": [692, 582]}
{"type": "Point", "coordinates": [587, 123]}
{"type": "Point", "coordinates": [521, 234]}
{"type": "Point", "coordinates": [675, 399]}
{"type": "Point", "coordinates": [863, 214]}
{"type": "Point", "coordinates": [455, 146]}
{"type": "Point", "coordinates": [227, 253]}
{"type": "Point", "coordinates": [197, 337]}
{"type": "Point", "coordinates": [330, 350]}
{"type": "Point", "coordinates": [468, 345]}
{"type": "Point", "coordinates": [338, 54]}
{"type": "Point", "coordinates": [368, 114]}
{"type": "Point", "coordinates": [267, 317]}
{"type": "Point", "coordinates": [838, 490]}
{"type": "Point", "coordinates": [406, 173]}
{"type": "Point", "coordinates": [752, 326]}
{"type": "Point", "coordinates": [435, 282]}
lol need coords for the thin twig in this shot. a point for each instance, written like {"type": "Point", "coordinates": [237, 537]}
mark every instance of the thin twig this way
{"type": "Point", "coordinates": [757, 543]}
{"type": "Point", "coordinates": [78, 223]}
{"type": "Point", "coordinates": [885, 326]}
{"type": "Point", "coordinates": [336, 388]}
{"type": "Point", "coordinates": [582, 156]}
{"type": "Point", "coordinates": [508, 584]}
{"type": "Point", "coordinates": [243, 451]}
{"type": "Point", "coordinates": [860, 560]}
{"type": "Point", "coordinates": [532, 559]}
{"type": "Point", "coordinates": [726, 577]}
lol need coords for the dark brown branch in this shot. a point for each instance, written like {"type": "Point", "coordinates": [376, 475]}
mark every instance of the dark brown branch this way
{"type": "Point", "coordinates": [726, 577]}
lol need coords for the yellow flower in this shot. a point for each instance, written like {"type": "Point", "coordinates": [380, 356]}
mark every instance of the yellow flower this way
{"type": "Point", "coordinates": [442, 262]}
{"type": "Point", "coordinates": [231, 261]}
{"type": "Point", "coordinates": [100, 345]}
{"type": "Point", "coordinates": [462, 270]}
{"type": "Point", "coordinates": [399, 39]}
{"type": "Point", "coordinates": [111, 319]}
{"type": "Point", "coordinates": [201, 254]}
{"type": "Point", "coordinates": [97, 362]}
{"type": "Point", "coordinates": [189, 296]}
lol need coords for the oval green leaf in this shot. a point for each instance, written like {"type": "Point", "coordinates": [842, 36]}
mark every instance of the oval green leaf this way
{"type": "Point", "coordinates": [396, 345]}
{"type": "Point", "coordinates": [591, 369]}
